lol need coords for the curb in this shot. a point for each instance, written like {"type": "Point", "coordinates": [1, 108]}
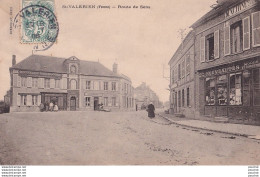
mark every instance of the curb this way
{"type": "Point", "coordinates": [206, 129]}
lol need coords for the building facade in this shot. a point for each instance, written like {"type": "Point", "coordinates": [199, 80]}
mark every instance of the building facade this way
{"type": "Point", "coordinates": [227, 48]}
{"type": "Point", "coordinates": [70, 83]}
{"type": "Point", "coordinates": [182, 78]}
{"type": "Point", "coordinates": [144, 95]}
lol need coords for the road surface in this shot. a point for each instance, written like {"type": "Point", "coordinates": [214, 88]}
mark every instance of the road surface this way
{"type": "Point", "coordinates": [115, 138]}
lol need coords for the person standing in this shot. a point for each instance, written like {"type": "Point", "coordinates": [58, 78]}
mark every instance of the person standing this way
{"type": "Point", "coordinates": [51, 106]}
{"type": "Point", "coordinates": [150, 110]}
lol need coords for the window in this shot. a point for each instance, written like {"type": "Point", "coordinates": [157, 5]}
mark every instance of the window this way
{"type": "Point", "coordinates": [34, 82]}
{"type": "Point", "coordinates": [57, 83]}
{"type": "Point", "coordinates": [256, 87]}
{"type": "Point", "coordinates": [235, 90]}
{"type": "Point", "coordinates": [210, 47]}
{"type": "Point", "coordinates": [88, 85]}
{"type": "Point", "coordinates": [87, 101]}
{"type": "Point", "coordinates": [183, 99]}
{"type": "Point", "coordinates": [188, 64]}
{"type": "Point", "coordinates": [73, 69]}
{"type": "Point", "coordinates": [188, 97]}
{"type": "Point", "coordinates": [172, 76]}
{"type": "Point", "coordinates": [73, 84]}
{"type": "Point", "coordinates": [23, 81]}
{"type": "Point", "coordinates": [34, 100]}
{"type": "Point", "coordinates": [105, 101]}
{"type": "Point", "coordinates": [105, 85]}
{"type": "Point", "coordinates": [236, 37]}
{"type": "Point", "coordinates": [24, 100]}
{"type": "Point", "coordinates": [183, 69]}
{"type": "Point", "coordinates": [179, 71]}
{"type": "Point", "coordinates": [46, 83]}
{"type": "Point", "coordinates": [113, 101]}
{"type": "Point", "coordinates": [210, 91]}
{"type": "Point", "coordinates": [222, 90]}
{"type": "Point", "coordinates": [179, 98]}
{"type": "Point", "coordinates": [256, 29]}
{"type": "Point", "coordinates": [96, 85]}
{"type": "Point", "coordinates": [114, 86]}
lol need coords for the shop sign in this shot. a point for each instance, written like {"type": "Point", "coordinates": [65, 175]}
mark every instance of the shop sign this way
{"type": "Point", "coordinates": [93, 94]}
{"type": "Point", "coordinates": [240, 7]}
{"type": "Point", "coordinates": [39, 74]}
{"type": "Point", "coordinates": [231, 68]}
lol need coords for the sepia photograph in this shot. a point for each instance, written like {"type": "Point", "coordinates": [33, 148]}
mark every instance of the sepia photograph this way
{"type": "Point", "coordinates": [130, 83]}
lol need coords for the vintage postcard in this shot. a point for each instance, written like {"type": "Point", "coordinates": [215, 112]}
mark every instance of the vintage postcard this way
{"type": "Point", "coordinates": [130, 82]}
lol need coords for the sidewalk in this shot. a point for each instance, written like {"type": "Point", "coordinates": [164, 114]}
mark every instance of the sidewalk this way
{"type": "Point", "coordinates": [249, 131]}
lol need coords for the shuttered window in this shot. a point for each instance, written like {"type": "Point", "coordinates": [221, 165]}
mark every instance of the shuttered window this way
{"type": "Point", "coordinates": [246, 33]}
{"type": "Point", "coordinates": [52, 83]}
{"type": "Point", "coordinates": [202, 49]}
{"type": "Point", "coordinates": [227, 40]}
{"type": "Point", "coordinates": [38, 100]}
{"type": "Point", "coordinates": [256, 28]}
{"type": "Point", "coordinates": [19, 100]}
{"type": "Point", "coordinates": [18, 81]}
{"type": "Point", "coordinates": [29, 100]}
{"type": "Point", "coordinates": [216, 44]}
{"type": "Point", "coordinates": [29, 82]}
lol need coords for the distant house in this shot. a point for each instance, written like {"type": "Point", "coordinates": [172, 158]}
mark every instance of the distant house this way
{"type": "Point", "coordinates": [71, 83]}
{"type": "Point", "coordinates": [144, 95]}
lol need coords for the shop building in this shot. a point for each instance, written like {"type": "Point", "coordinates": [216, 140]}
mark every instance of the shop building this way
{"type": "Point", "coordinates": [70, 83]}
{"type": "Point", "coordinates": [227, 47]}
{"type": "Point", "coordinates": [182, 78]}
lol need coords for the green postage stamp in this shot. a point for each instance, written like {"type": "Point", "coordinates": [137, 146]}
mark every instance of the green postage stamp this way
{"type": "Point", "coordinates": [38, 23]}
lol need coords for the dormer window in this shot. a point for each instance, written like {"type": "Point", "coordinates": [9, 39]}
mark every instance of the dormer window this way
{"type": "Point", "coordinates": [73, 69]}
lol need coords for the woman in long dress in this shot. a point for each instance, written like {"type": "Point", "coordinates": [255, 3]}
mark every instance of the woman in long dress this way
{"type": "Point", "coordinates": [150, 110]}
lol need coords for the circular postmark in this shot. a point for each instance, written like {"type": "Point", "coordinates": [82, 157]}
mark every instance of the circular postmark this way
{"type": "Point", "coordinates": [39, 26]}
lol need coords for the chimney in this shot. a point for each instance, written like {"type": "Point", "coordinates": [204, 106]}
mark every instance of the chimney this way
{"type": "Point", "coordinates": [14, 60]}
{"type": "Point", "coordinates": [115, 68]}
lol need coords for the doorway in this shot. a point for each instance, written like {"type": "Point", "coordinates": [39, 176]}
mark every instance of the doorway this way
{"type": "Point", "coordinates": [96, 102]}
{"type": "Point", "coordinates": [73, 103]}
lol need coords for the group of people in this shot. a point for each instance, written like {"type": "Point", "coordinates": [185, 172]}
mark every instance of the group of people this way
{"type": "Point", "coordinates": [52, 106]}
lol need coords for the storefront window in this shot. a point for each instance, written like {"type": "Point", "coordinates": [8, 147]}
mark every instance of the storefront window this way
{"type": "Point", "coordinates": [235, 92]}
{"type": "Point", "coordinates": [256, 87]}
{"type": "Point", "coordinates": [222, 90]}
{"type": "Point", "coordinates": [210, 91]}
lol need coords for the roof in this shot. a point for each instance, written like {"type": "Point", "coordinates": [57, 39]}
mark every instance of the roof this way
{"type": "Point", "coordinates": [215, 11]}
{"type": "Point", "coordinates": [187, 38]}
{"type": "Point", "coordinates": [56, 65]}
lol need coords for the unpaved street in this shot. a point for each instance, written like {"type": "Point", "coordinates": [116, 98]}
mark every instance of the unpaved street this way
{"type": "Point", "coordinates": [115, 138]}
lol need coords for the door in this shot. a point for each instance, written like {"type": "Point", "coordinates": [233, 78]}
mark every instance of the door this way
{"type": "Point", "coordinates": [96, 102]}
{"type": "Point", "coordinates": [73, 103]}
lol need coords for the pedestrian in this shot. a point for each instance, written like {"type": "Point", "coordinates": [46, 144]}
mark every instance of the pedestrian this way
{"type": "Point", "coordinates": [136, 107]}
{"type": "Point", "coordinates": [56, 108]}
{"type": "Point", "coordinates": [42, 107]}
{"type": "Point", "coordinates": [51, 106]}
{"type": "Point", "coordinates": [46, 106]}
{"type": "Point", "coordinates": [150, 109]}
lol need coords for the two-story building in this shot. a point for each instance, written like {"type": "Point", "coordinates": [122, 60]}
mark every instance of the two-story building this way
{"type": "Point", "coordinates": [227, 48]}
{"type": "Point", "coordinates": [70, 83]}
{"type": "Point", "coordinates": [182, 78]}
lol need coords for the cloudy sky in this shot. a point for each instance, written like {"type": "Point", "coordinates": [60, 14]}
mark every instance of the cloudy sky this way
{"type": "Point", "coordinates": [141, 41]}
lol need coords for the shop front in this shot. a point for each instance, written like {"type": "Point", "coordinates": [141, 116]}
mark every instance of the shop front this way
{"type": "Point", "coordinates": [57, 98]}
{"type": "Point", "coordinates": [232, 90]}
